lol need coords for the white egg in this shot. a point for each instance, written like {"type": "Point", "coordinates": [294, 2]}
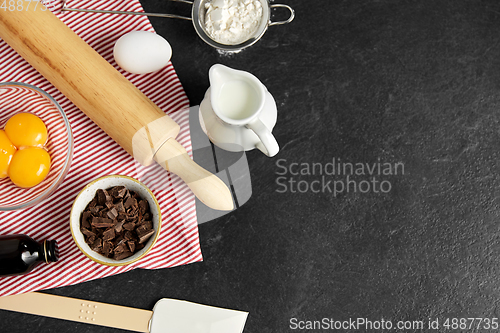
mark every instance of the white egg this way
{"type": "Point", "coordinates": [142, 52]}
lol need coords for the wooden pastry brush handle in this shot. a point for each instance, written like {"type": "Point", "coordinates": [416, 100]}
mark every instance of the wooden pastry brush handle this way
{"type": "Point", "coordinates": [96, 87]}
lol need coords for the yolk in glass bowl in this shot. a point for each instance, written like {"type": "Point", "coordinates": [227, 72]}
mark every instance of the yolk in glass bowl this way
{"type": "Point", "coordinates": [7, 150]}
{"type": "Point", "coordinates": [29, 166]}
{"type": "Point", "coordinates": [26, 130]}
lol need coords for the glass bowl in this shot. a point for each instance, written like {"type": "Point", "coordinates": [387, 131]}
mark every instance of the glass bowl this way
{"type": "Point", "coordinates": [17, 97]}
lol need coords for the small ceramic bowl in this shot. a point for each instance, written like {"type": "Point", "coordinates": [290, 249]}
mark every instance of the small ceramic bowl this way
{"type": "Point", "coordinates": [16, 97]}
{"type": "Point", "coordinates": [88, 193]}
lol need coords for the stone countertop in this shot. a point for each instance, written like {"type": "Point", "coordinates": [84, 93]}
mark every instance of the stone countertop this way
{"type": "Point", "coordinates": [401, 99]}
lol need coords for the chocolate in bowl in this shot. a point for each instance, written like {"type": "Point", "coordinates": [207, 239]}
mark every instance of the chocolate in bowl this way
{"type": "Point", "coordinates": [117, 222]}
{"type": "Point", "coordinates": [88, 193]}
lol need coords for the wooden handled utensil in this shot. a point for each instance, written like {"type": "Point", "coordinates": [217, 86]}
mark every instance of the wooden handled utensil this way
{"type": "Point", "coordinates": [168, 315]}
{"type": "Point", "coordinates": [107, 97]}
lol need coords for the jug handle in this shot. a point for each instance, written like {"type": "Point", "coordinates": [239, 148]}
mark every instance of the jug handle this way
{"type": "Point", "coordinates": [268, 144]}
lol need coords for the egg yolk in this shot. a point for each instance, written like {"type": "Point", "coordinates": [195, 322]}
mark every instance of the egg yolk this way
{"type": "Point", "coordinates": [29, 166]}
{"type": "Point", "coordinates": [26, 130]}
{"type": "Point", "coordinates": [7, 150]}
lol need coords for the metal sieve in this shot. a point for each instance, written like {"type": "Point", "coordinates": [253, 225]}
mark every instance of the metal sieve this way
{"type": "Point", "coordinates": [198, 18]}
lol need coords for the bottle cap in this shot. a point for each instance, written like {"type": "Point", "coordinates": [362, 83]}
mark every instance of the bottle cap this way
{"type": "Point", "coordinates": [51, 251]}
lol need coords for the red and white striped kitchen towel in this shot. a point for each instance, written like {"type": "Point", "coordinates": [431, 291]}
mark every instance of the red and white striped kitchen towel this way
{"type": "Point", "coordinates": [96, 155]}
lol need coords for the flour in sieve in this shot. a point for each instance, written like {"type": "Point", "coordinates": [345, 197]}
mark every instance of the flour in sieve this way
{"type": "Point", "coordinates": [232, 22]}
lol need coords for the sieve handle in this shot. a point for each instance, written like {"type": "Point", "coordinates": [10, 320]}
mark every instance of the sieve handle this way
{"type": "Point", "coordinates": [85, 10]}
{"type": "Point", "coordinates": [290, 19]}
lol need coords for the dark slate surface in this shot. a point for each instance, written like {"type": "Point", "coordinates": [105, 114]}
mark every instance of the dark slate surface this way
{"type": "Point", "coordinates": [363, 81]}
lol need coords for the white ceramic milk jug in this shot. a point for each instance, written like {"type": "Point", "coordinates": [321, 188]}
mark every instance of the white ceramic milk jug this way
{"type": "Point", "coordinates": [238, 113]}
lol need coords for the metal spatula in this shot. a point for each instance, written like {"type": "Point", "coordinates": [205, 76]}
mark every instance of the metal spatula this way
{"type": "Point", "coordinates": [168, 315]}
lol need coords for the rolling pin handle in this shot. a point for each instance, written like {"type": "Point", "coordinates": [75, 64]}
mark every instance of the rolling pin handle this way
{"type": "Point", "coordinates": [212, 191]}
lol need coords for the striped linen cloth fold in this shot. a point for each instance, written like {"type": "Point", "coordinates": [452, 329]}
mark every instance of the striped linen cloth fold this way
{"type": "Point", "coordinates": [96, 155]}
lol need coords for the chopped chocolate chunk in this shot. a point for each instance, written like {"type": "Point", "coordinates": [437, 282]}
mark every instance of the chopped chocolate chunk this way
{"type": "Point", "coordinates": [112, 191]}
{"type": "Point", "coordinates": [119, 240]}
{"type": "Point", "coordinates": [131, 246]}
{"type": "Point", "coordinates": [132, 217]}
{"type": "Point", "coordinates": [128, 235]}
{"type": "Point", "coordinates": [122, 193]}
{"type": "Point", "coordinates": [96, 246]}
{"type": "Point", "coordinates": [117, 222]}
{"type": "Point", "coordinates": [101, 197]}
{"type": "Point", "coordinates": [92, 203]}
{"type": "Point", "coordinates": [122, 255]}
{"type": "Point", "coordinates": [129, 226]}
{"type": "Point", "coordinates": [108, 234]}
{"type": "Point", "coordinates": [87, 232]}
{"type": "Point", "coordinates": [85, 219]}
{"type": "Point", "coordinates": [106, 248]}
{"type": "Point", "coordinates": [95, 209]}
{"type": "Point", "coordinates": [147, 224]}
{"type": "Point", "coordinates": [126, 195]}
{"type": "Point", "coordinates": [143, 205]}
{"type": "Point", "coordinates": [145, 236]}
{"type": "Point", "coordinates": [143, 229]}
{"type": "Point", "coordinates": [119, 207]}
{"type": "Point", "coordinates": [91, 239]}
{"type": "Point", "coordinates": [122, 247]}
{"type": "Point", "coordinates": [119, 225]}
{"type": "Point", "coordinates": [102, 222]}
{"type": "Point", "coordinates": [130, 202]}
{"type": "Point", "coordinates": [132, 213]}
{"type": "Point", "coordinates": [103, 213]}
{"type": "Point", "coordinates": [112, 213]}
{"type": "Point", "coordinates": [117, 191]}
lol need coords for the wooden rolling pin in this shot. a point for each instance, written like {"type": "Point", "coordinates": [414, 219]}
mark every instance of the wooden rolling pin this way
{"type": "Point", "coordinates": [107, 97]}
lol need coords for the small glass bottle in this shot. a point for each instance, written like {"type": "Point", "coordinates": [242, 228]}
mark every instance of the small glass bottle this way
{"type": "Point", "coordinates": [19, 254]}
